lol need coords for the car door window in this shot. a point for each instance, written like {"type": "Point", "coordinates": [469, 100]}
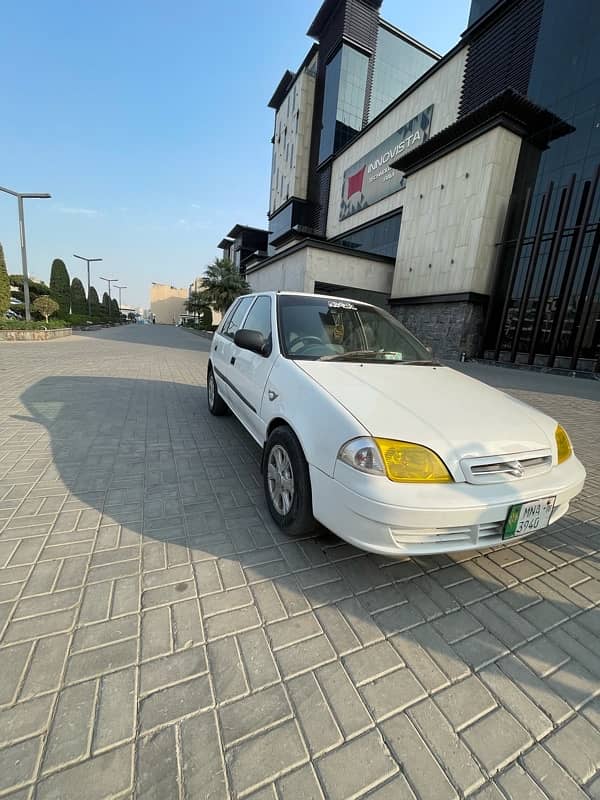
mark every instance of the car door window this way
{"type": "Point", "coordinates": [237, 317]}
{"type": "Point", "coordinates": [259, 318]}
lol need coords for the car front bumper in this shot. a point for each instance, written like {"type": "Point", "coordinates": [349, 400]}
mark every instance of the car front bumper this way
{"type": "Point", "coordinates": [393, 519]}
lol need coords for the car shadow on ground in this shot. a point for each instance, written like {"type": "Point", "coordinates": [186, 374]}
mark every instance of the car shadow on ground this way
{"type": "Point", "coordinates": [153, 471]}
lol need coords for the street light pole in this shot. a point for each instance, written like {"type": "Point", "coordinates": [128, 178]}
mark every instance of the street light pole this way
{"type": "Point", "coordinates": [20, 197]}
{"type": "Point", "coordinates": [119, 288]}
{"type": "Point", "coordinates": [88, 276]}
{"type": "Point", "coordinates": [109, 281]}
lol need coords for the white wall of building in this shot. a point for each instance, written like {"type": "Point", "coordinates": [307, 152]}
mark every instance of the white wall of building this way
{"type": "Point", "coordinates": [443, 90]}
{"type": "Point", "coordinates": [291, 148]}
{"type": "Point", "coordinates": [455, 228]}
{"type": "Point", "coordinates": [299, 271]}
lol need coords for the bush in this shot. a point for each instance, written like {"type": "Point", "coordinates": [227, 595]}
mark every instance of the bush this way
{"type": "Point", "coordinates": [60, 286]}
{"type": "Point", "coordinates": [206, 318]}
{"type": "Point", "coordinates": [45, 305]}
{"type": "Point", "coordinates": [78, 300]}
{"type": "Point", "coordinates": [23, 325]}
{"type": "Point", "coordinates": [4, 285]}
{"type": "Point", "coordinates": [94, 302]}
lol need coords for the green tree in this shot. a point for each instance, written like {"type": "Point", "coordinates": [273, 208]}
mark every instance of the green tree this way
{"type": "Point", "coordinates": [78, 301]}
{"type": "Point", "coordinates": [206, 318]}
{"type": "Point", "coordinates": [106, 305]}
{"type": "Point", "coordinates": [60, 286]}
{"type": "Point", "coordinates": [223, 284]}
{"type": "Point", "coordinates": [45, 305]}
{"type": "Point", "coordinates": [196, 303]}
{"type": "Point", "coordinates": [94, 302]}
{"type": "Point", "coordinates": [4, 285]}
{"type": "Point", "coordinates": [115, 310]}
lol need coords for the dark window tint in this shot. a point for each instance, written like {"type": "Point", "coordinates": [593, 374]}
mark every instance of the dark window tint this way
{"type": "Point", "coordinates": [259, 318]}
{"type": "Point", "coordinates": [344, 99]}
{"type": "Point", "coordinates": [236, 318]}
{"type": "Point", "coordinates": [380, 238]}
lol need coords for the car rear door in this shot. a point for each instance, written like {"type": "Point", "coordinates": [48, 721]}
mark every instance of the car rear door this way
{"type": "Point", "coordinates": [250, 371]}
{"type": "Point", "coordinates": [222, 352]}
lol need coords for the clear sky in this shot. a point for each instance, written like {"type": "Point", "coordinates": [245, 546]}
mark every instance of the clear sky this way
{"type": "Point", "coordinates": [147, 122]}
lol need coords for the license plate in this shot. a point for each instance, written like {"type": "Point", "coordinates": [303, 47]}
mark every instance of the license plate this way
{"type": "Point", "coordinates": [528, 517]}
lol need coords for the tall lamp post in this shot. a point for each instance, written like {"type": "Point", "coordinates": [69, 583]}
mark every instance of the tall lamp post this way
{"type": "Point", "coordinates": [120, 288]}
{"type": "Point", "coordinates": [20, 197]}
{"type": "Point", "coordinates": [109, 281]}
{"type": "Point", "coordinates": [88, 274]}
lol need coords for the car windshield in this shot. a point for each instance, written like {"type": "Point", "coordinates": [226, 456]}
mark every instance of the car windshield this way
{"type": "Point", "coordinates": [331, 329]}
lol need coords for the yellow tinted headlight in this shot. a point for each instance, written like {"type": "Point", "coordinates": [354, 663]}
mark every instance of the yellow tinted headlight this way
{"type": "Point", "coordinates": [411, 463]}
{"type": "Point", "coordinates": [563, 444]}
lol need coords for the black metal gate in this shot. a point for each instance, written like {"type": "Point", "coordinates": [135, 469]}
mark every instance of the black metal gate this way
{"type": "Point", "coordinates": [546, 307]}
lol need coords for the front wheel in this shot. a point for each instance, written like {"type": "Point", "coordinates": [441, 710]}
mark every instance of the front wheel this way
{"type": "Point", "coordinates": [216, 404]}
{"type": "Point", "coordinates": [287, 483]}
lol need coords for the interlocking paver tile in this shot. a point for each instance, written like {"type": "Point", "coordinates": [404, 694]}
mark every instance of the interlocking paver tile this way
{"type": "Point", "coordinates": [158, 634]}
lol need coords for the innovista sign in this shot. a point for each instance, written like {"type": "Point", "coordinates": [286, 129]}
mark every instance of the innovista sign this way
{"type": "Point", "coordinates": [371, 179]}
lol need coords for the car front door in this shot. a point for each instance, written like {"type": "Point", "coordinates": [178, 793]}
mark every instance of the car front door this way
{"type": "Point", "coordinates": [250, 370]}
{"type": "Point", "coordinates": [222, 353]}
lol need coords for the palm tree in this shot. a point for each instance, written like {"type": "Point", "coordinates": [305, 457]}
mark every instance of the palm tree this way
{"type": "Point", "coordinates": [223, 284]}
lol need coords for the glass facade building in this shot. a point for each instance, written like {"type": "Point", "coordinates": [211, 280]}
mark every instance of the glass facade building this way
{"type": "Point", "coordinates": [398, 64]}
{"type": "Point", "coordinates": [344, 99]}
{"type": "Point", "coordinates": [551, 299]}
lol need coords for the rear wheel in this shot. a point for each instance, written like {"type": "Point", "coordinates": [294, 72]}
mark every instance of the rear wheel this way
{"type": "Point", "coordinates": [216, 404]}
{"type": "Point", "coordinates": [287, 483]}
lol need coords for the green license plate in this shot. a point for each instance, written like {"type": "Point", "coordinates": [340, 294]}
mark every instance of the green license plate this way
{"type": "Point", "coordinates": [526, 518]}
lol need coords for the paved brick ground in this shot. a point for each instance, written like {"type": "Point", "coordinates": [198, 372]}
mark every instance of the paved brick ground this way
{"type": "Point", "coordinates": [160, 639]}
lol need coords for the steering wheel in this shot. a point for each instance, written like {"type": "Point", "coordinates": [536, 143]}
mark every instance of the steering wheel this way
{"type": "Point", "coordinates": [306, 339]}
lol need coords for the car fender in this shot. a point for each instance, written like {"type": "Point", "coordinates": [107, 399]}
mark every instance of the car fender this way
{"type": "Point", "coordinates": [320, 422]}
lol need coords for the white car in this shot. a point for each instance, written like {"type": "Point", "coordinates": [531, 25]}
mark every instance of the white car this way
{"type": "Point", "coordinates": [364, 432]}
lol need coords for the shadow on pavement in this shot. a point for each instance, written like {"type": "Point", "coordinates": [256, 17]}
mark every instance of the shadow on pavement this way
{"type": "Point", "coordinates": [147, 456]}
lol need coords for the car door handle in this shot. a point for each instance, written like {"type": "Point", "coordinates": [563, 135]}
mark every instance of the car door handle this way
{"type": "Point", "coordinates": [232, 360]}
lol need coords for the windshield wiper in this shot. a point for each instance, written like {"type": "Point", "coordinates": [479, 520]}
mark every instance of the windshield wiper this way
{"type": "Point", "coordinates": [376, 355]}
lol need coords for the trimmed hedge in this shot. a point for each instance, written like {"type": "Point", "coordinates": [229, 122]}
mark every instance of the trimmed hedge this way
{"type": "Point", "coordinates": [60, 286]}
{"type": "Point", "coordinates": [23, 325]}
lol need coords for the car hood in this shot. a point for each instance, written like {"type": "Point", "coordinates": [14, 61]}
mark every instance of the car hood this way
{"type": "Point", "coordinates": [452, 414]}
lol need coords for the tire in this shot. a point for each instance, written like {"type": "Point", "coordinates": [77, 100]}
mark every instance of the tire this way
{"type": "Point", "coordinates": [216, 405]}
{"type": "Point", "coordinates": [285, 465]}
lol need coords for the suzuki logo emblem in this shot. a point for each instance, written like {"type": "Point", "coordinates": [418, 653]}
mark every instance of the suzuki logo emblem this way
{"type": "Point", "coordinates": [516, 469]}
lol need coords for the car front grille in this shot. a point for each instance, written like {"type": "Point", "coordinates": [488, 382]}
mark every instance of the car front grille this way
{"type": "Point", "coordinates": [512, 467]}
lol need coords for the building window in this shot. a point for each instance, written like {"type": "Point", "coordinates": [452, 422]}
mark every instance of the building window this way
{"type": "Point", "coordinates": [344, 99]}
{"type": "Point", "coordinates": [380, 238]}
{"type": "Point", "coordinates": [398, 64]}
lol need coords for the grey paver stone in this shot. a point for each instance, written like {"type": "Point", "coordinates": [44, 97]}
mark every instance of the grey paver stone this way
{"type": "Point", "coordinates": [318, 725]}
{"type": "Point", "coordinates": [465, 702]}
{"type": "Point", "coordinates": [70, 733]}
{"type": "Point", "coordinates": [496, 740]}
{"type": "Point", "coordinates": [514, 699]}
{"type": "Point", "coordinates": [302, 783]}
{"type": "Point", "coordinates": [416, 759]}
{"type": "Point", "coordinates": [116, 709]}
{"type": "Point", "coordinates": [18, 762]}
{"type": "Point", "coordinates": [576, 746]}
{"type": "Point", "coordinates": [356, 766]}
{"type": "Point", "coordinates": [371, 662]}
{"type": "Point", "coordinates": [227, 671]}
{"type": "Point", "coordinates": [304, 656]}
{"type": "Point", "coordinates": [170, 669]}
{"type": "Point", "coordinates": [392, 693]}
{"type": "Point", "coordinates": [265, 757]}
{"type": "Point", "coordinates": [344, 700]}
{"type": "Point", "coordinates": [103, 776]}
{"type": "Point", "coordinates": [100, 660]}
{"type": "Point", "coordinates": [517, 783]}
{"type": "Point", "coordinates": [156, 766]}
{"type": "Point", "coordinates": [446, 746]}
{"type": "Point", "coordinates": [175, 702]}
{"type": "Point", "coordinates": [547, 773]}
{"type": "Point", "coordinates": [258, 659]}
{"type": "Point", "coordinates": [254, 713]}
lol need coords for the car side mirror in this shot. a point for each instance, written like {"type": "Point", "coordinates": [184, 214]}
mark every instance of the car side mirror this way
{"type": "Point", "coordinates": [251, 340]}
